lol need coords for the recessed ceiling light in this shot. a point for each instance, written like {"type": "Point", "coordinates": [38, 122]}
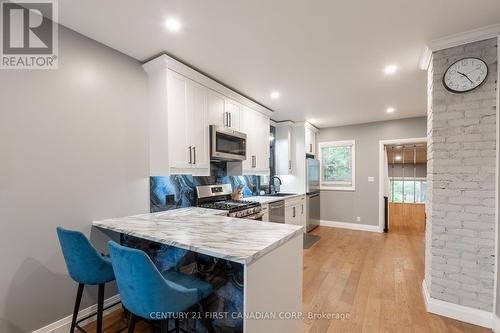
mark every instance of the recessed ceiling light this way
{"type": "Point", "coordinates": [398, 157]}
{"type": "Point", "coordinates": [173, 24]}
{"type": "Point", "coordinates": [275, 94]}
{"type": "Point", "coordinates": [391, 69]}
{"type": "Point", "coordinates": [390, 110]}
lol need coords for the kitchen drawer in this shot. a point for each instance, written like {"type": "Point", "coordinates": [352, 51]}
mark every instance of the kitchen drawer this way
{"type": "Point", "coordinates": [295, 201]}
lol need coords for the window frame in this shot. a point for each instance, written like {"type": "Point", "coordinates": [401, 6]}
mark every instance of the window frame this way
{"type": "Point", "coordinates": [407, 179]}
{"type": "Point", "coordinates": [333, 186]}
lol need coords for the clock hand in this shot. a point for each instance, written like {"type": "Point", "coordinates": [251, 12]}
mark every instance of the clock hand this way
{"type": "Point", "coordinates": [472, 71]}
{"type": "Point", "coordinates": [465, 76]}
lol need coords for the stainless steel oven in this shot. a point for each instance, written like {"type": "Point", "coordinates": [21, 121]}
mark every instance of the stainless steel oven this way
{"type": "Point", "coordinates": [227, 145]}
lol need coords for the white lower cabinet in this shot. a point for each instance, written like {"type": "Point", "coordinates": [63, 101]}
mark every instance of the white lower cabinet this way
{"type": "Point", "coordinates": [295, 211]}
{"type": "Point", "coordinates": [265, 211]}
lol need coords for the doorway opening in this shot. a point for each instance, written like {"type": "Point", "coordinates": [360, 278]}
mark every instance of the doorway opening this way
{"type": "Point", "coordinates": [403, 185]}
{"type": "Point", "coordinates": [407, 187]}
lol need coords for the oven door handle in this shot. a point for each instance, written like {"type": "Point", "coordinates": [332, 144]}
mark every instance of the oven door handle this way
{"type": "Point", "coordinates": [254, 216]}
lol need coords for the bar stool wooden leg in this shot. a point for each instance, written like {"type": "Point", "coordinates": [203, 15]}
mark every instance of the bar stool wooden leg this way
{"type": "Point", "coordinates": [77, 306]}
{"type": "Point", "coordinates": [131, 324]}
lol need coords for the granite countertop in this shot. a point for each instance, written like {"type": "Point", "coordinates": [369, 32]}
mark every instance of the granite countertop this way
{"type": "Point", "coordinates": [266, 199]}
{"type": "Point", "coordinates": [206, 231]}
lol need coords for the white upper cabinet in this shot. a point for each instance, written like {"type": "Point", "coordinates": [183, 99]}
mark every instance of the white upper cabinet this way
{"type": "Point", "coordinates": [233, 110]}
{"type": "Point", "coordinates": [285, 151]}
{"type": "Point", "coordinates": [310, 140]}
{"type": "Point", "coordinates": [177, 119]}
{"type": "Point", "coordinates": [187, 126]}
{"type": "Point", "coordinates": [256, 126]}
{"type": "Point", "coordinates": [247, 116]}
{"type": "Point", "coordinates": [183, 103]}
{"type": "Point", "coordinates": [216, 109]}
{"type": "Point", "coordinates": [198, 130]}
{"type": "Point", "coordinates": [223, 111]}
{"type": "Point", "coordinates": [263, 147]}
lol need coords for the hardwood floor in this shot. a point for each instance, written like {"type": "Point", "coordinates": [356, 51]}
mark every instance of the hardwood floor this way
{"type": "Point", "coordinates": [374, 279]}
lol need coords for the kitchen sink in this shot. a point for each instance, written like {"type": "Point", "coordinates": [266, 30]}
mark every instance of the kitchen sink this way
{"type": "Point", "coordinates": [279, 194]}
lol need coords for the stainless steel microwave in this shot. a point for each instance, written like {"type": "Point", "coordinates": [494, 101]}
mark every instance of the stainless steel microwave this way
{"type": "Point", "coordinates": [227, 145]}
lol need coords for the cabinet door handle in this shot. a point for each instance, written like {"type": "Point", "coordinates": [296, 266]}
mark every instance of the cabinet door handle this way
{"type": "Point", "coordinates": [289, 164]}
{"type": "Point", "coordinates": [190, 154]}
{"type": "Point", "coordinates": [230, 119]}
{"type": "Point", "coordinates": [310, 148]}
{"type": "Point", "coordinates": [293, 211]}
{"type": "Point", "coordinates": [254, 161]}
{"type": "Point", "coordinates": [302, 209]}
{"type": "Point", "coordinates": [194, 155]}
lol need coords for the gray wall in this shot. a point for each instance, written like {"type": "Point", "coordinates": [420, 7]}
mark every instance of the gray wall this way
{"type": "Point", "coordinates": [345, 206]}
{"type": "Point", "coordinates": [73, 148]}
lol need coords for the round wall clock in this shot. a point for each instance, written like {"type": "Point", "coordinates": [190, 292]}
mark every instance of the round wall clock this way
{"type": "Point", "coordinates": [465, 75]}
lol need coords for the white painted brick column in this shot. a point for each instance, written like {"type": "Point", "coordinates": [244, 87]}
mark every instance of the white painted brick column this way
{"type": "Point", "coordinates": [460, 234]}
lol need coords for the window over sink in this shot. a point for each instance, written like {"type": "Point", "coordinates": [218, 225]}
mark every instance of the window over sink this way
{"type": "Point", "coordinates": [337, 160]}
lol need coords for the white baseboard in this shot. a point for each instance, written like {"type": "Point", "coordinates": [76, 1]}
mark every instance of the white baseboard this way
{"type": "Point", "coordinates": [351, 226]}
{"type": "Point", "coordinates": [495, 325]}
{"type": "Point", "coordinates": [63, 325]}
{"type": "Point", "coordinates": [455, 311]}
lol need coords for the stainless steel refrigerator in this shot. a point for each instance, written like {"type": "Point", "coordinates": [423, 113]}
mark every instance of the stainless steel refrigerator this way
{"type": "Point", "coordinates": [312, 193]}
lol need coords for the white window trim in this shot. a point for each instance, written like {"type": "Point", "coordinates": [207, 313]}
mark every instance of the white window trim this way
{"type": "Point", "coordinates": [331, 185]}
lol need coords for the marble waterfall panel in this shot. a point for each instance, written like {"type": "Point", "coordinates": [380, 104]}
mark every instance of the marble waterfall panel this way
{"type": "Point", "coordinates": [225, 276]}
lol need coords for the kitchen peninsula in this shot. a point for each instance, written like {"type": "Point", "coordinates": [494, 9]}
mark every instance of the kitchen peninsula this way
{"type": "Point", "coordinates": [255, 267]}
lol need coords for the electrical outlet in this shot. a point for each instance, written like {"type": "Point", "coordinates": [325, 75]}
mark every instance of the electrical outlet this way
{"type": "Point", "coordinates": [371, 179]}
{"type": "Point", "coordinates": [358, 218]}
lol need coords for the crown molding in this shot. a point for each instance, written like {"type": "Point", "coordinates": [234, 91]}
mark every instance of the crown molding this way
{"type": "Point", "coordinates": [462, 38]}
{"type": "Point", "coordinates": [425, 58]}
{"type": "Point", "coordinates": [164, 62]}
{"type": "Point", "coordinates": [287, 123]}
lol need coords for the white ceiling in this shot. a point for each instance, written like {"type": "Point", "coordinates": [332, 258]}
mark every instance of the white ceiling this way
{"type": "Point", "coordinates": [325, 57]}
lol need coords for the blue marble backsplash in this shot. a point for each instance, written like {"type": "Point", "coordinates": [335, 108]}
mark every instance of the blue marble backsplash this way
{"type": "Point", "coordinates": [180, 191]}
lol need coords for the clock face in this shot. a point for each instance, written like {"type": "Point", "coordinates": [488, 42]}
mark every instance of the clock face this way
{"type": "Point", "coordinates": [465, 75]}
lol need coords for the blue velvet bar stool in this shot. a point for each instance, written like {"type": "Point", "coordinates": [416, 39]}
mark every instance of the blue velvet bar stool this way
{"type": "Point", "coordinates": [87, 267]}
{"type": "Point", "coordinates": [149, 294]}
